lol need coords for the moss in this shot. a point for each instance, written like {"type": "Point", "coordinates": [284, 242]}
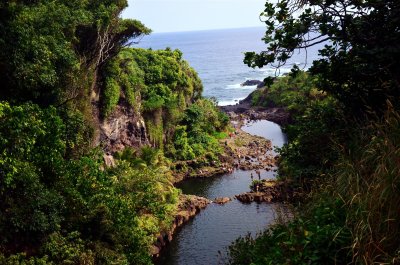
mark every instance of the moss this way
{"type": "Point", "coordinates": [111, 96]}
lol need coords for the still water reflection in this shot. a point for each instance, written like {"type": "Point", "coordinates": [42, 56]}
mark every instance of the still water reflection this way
{"type": "Point", "coordinates": [205, 239]}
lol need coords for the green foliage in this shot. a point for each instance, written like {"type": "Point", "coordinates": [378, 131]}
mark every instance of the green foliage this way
{"type": "Point", "coordinates": [367, 178]}
{"type": "Point", "coordinates": [254, 184]}
{"type": "Point", "coordinates": [319, 235]}
{"type": "Point", "coordinates": [313, 237]}
{"type": "Point", "coordinates": [293, 92]}
{"type": "Point", "coordinates": [202, 124]}
{"type": "Point", "coordinates": [156, 79]}
{"type": "Point", "coordinates": [181, 143]}
{"type": "Point", "coordinates": [123, 77]}
{"type": "Point", "coordinates": [59, 202]}
{"type": "Point", "coordinates": [31, 156]}
{"type": "Point", "coordinates": [205, 117]}
{"type": "Point", "coordinates": [317, 123]}
{"type": "Point", "coordinates": [157, 84]}
{"type": "Point", "coordinates": [145, 157]}
{"type": "Point", "coordinates": [49, 49]}
{"type": "Point", "coordinates": [155, 132]}
{"type": "Point", "coordinates": [111, 95]}
{"type": "Point", "coordinates": [361, 167]}
{"type": "Point", "coordinates": [164, 87]}
{"type": "Point", "coordinates": [78, 135]}
{"type": "Point", "coordinates": [66, 209]}
{"type": "Point", "coordinates": [309, 152]}
{"type": "Point", "coordinates": [344, 136]}
{"type": "Point", "coordinates": [69, 249]}
{"type": "Point", "coordinates": [358, 65]}
{"type": "Point", "coordinates": [220, 135]}
{"type": "Point", "coordinates": [22, 259]}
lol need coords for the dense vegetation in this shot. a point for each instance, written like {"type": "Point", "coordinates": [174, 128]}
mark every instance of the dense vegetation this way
{"type": "Point", "coordinates": [343, 137]}
{"type": "Point", "coordinates": [64, 67]}
{"type": "Point", "coordinates": [62, 210]}
{"type": "Point", "coordinates": [51, 50]}
{"type": "Point", "coordinates": [166, 91]}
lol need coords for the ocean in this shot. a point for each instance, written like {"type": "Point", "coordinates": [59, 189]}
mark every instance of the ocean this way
{"type": "Point", "coordinates": [217, 56]}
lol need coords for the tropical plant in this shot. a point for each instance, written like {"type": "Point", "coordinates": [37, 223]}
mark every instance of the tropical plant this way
{"type": "Point", "coordinates": [358, 64]}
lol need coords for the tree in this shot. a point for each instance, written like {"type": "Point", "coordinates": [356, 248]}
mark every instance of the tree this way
{"type": "Point", "coordinates": [51, 50]}
{"type": "Point", "coordinates": [358, 64]}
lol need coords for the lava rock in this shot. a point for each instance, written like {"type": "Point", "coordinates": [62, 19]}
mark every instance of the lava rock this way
{"type": "Point", "coordinates": [222, 200]}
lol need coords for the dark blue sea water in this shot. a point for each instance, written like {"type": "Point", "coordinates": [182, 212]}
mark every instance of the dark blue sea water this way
{"type": "Point", "coordinates": [217, 56]}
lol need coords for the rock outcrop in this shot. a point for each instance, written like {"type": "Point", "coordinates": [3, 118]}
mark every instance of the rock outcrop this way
{"type": "Point", "coordinates": [245, 110]}
{"type": "Point", "coordinates": [249, 151]}
{"type": "Point", "coordinates": [249, 197]}
{"type": "Point", "coordinates": [123, 128]}
{"type": "Point", "coordinates": [222, 200]}
{"type": "Point", "coordinates": [257, 83]}
{"type": "Point", "coordinates": [271, 191]}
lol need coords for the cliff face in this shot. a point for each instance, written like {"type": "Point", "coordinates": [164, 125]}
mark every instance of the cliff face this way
{"type": "Point", "coordinates": [123, 128]}
{"type": "Point", "coordinates": [141, 97]}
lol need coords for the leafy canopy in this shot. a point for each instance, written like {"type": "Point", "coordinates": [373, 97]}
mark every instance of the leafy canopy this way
{"type": "Point", "coordinates": [48, 47]}
{"type": "Point", "coordinates": [359, 62]}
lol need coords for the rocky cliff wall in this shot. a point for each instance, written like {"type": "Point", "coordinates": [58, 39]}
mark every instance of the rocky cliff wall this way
{"type": "Point", "coordinates": [123, 128]}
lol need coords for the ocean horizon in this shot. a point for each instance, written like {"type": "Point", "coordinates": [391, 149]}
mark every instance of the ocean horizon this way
{"type": "Point", "coordinates": [217, 56]}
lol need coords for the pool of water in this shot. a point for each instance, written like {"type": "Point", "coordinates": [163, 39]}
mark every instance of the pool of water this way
{"type": "Point", "coordinates": [204, 240]}
{"type": "Point", "coordinates": [266, 129]}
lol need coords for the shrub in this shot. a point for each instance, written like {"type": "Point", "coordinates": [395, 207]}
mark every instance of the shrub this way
{"type": "Point", "coordinates": [316, 236]}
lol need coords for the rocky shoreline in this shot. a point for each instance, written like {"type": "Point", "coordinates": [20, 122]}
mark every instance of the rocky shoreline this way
{"type": "Point", "coordinates": [241, 151]}
{"type": "Point", "coordinates": [245, 110]}
{"type": "Point", "coordinates": [271, 191]}
{"type": "Point", "coordinates": [188, 207]}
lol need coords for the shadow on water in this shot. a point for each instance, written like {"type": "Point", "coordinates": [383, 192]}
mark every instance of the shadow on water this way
{"type": "Point", "coordinates": [205, 239]}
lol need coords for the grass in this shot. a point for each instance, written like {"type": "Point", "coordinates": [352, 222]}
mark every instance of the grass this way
{"type": "Point", "coordinates": [368, 180]}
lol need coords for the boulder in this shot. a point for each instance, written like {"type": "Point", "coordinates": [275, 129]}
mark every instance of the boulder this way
{"type": "Point", "coordinates": [257, 83]}
{"type": "Point", "coordinates": [109, 160]}
{"type": "Point", "coordinates": [222, 200]}
{"type": "Point", "coordinates": [249, 197]}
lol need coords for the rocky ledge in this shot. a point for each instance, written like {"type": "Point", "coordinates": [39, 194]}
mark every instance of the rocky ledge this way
{"type": "Point", "coordinates": [244, 110]}
{"type": "Point", "coordinates": [271, 191]}
{"type": "Point", "coordinates": [249, 152]}
{"type": "Point", "coordinates": [249, 197]}
{"type": "Point", "coordinates": [222, 200]}
{"type": "Point", "coordinates": [188, 207]}
{"type": "Point", "coordinates": [241, 151]}
{"type": "Point", "coordinates": [257, 83]}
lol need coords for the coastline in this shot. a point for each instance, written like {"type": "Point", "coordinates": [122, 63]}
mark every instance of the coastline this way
{"type": "Point", "coordinates": [244, 110]}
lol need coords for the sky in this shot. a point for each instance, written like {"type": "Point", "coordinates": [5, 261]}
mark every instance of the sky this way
{"type": "Point", "coordinates": [191, 15]}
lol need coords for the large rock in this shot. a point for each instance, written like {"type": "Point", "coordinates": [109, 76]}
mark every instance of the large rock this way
{"type": "Point", "coordinates": [249, 197]}
{"type": "Point", "coordinates": [222, 200]}
{"type": "Point", "coordinates": [123, 128]}
{"type": "Point", "coordinates": [257, 83]}
{"type": "Point", "coordinates": [109, 160]}
{"type": "Point", "coordinates": [272, 191]}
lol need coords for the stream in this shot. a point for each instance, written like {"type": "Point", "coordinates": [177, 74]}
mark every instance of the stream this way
{"type": "Point", "coordinates": [204, 240]}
